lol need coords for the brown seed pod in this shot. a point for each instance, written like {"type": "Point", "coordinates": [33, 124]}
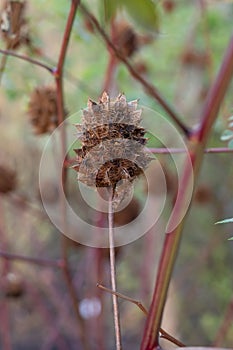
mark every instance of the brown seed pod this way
{"type": "Point", "coordinates": [113, 142]}
{"type": "Point", "coordinates": [127, 40]}
{"type": "Point", "coordinates": [191, 56]}
{"type": "Point", "coordinates": [7, 179]}
{"type": "Point", "coordinates": [42, 109]}
{"type": "Point", "coordinates": [13, 25]}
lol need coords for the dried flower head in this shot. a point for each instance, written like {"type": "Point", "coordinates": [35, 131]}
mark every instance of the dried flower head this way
{"type": "Point", "coordinates": [112, 152]}
{"type": "Point", "coordinates": [42, 109]}
{"type": "Point", "coordinates": [13, 25]}
{"type": "Point", "coordinates": [7, 179]}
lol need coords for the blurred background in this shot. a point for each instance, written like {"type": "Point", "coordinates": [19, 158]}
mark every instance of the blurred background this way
{"type": "Point", "coordinates": [179, 50]}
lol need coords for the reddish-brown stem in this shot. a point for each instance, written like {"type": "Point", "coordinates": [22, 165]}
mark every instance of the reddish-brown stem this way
{"type": "Point", "coordinates": [112, 64]}
{"type": "Point", "coordinates": [225, 325]}
{"type": "Point", "coordinates": [163, 333]}
{"type": "Point", "coordinates": [58, 74]}
{"type": "Point", "coordinates": [27, 59]}
{"type": "Point", "coordinates": [4, 307]}
{"type": "Point", "coordinates": [31, 260]}
{"type": "Point", "coordinates": [150, 89]}
{"type": "Point", "coordinates": [109, 77]}
{"type": "Point", "coordinates": [172, 239]}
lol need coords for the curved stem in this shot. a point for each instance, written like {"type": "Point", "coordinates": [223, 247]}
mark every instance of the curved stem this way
{"type": "Point", "coordinates": [27, 59]}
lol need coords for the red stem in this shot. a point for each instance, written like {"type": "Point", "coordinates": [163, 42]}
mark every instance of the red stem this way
{"type": "Point", "coordinates": [172, 240]}
{"type": "Point", "coordinates": [225, 325]}
{"type": "Point", "coordinates": [58, 74]}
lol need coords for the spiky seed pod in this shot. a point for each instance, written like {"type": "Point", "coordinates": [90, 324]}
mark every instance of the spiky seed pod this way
{"type": "Point", "coordinates": [14, 30]}
{"type": "Point", "coordinates": [112, 143]}
{"type": "Point", "coordinates": [7, 179]}
{"type": "Point", "coordinates": [42, 109]}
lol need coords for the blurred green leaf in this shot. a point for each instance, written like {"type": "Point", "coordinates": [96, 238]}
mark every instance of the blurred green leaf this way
{"type": "Point", "coordinates": [225, 221]}
{"type": "Point", "coordinates": [227, 135]}
{"type": "Point", "coordinates": [108, 9]}
{"type": "Point", "coordinates": [230, 239]}
{"type": "Point", "coordinates": [230, 144]}
{"type": "Point", "coordinates": [144, 12]}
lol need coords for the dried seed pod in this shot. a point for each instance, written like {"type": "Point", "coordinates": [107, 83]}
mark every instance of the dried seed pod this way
{"type": "Point", "coordinates": [7, 179]}
{"type": "Point", "coordinates": [112, 152]}
{"type": "Point", "coordinates": [127, 40]}
{"type": "Point", "coordinates": [14, 30]}
{"type": "Point", "coordinates": [42, 109]}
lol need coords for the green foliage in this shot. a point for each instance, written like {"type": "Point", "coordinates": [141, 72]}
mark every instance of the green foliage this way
{"type": "Point", "coordinates": [226, 221]}
{"type": "Point", "coordinates": [144, 13]}
{"type": "Point", "coordinates": [108, 9]}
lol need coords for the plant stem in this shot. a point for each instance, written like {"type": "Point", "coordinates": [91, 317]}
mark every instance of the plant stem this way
{"type": "Point", "coordinates": [27, 59]}
{"type": "Point", "coordinates": [58, 75]}
{"type": "Point", "coordinates": [113, 273]}
{"type": "Point", "coordinates": [164, 334]}
{"type": "Point", "coordinates": [225, 325]}
{"type": "Point", "coordinates": [150, 89]}
{"type": "Point", "coordinates": [32, 260]}
{"type": "Point", "coordinates": [172, 239]}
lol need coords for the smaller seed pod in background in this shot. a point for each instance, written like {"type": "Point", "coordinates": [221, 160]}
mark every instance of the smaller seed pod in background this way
{"type": "Point", "coordinates": [127, 40]}
{"type": "Point", "coordinates": [112, 153]}
{"type": "Point", "coordinates": [42, 109]}
{"type": "Point", "coordinates": [13, 25]}
{"type": "Point", "coordinates": [12, 285]}
{"type": "Point", "coordinates": [7, 179]}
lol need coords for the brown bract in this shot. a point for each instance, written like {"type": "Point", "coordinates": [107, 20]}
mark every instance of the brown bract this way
{"type": "Point", "coordinates": [13, 25]}
{"type": "Point", "coordinates": [42, 109]}
{"type": "Point", "coordinates": [113, 142]}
